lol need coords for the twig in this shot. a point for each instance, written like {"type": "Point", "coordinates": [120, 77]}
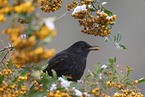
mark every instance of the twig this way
{"type": "Point", "coordinates": [93, 5]}
{"type": "Point", "coordinates": [5, 48]}
{"type": "Point", "coordinates": [62, 15]}
{"type": "Point", "coordinates": [1, 61]}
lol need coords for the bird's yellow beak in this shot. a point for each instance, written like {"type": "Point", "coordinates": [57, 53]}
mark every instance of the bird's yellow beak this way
{"type": "Point", "coordinates": [93, 48]}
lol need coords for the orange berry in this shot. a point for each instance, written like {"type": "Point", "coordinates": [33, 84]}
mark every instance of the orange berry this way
{"type": "Point", "coordinates": [135, 81]}
{"type": "Point", "coordinates": [108, 82]}
{"type": "Point", "coordinates": [131, 69]}
{"type": "Point", "coordinates": [97, 13]}
{"type": "Point", "coordinates": [133, 93]}
{"type": "Point", "coordinates": [114, 17]}
{"type": "Point", "coordinates": [121, 81]}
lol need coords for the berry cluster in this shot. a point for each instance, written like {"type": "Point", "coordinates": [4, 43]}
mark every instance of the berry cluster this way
{"type": "Point", "coordinates": [6, 72]}
{"type": "Point", "coordinates": [99, 25]}
{"type": "Point", "coordinates": [122, 93]}
{"type": "Point", "coordinates": [79, 15]}
{"type": "Point", "coordinates": [4, 9]}
{"type": "Point", "coordinates": [24, 78]}
{"type": "Point", "coordinates": [3, 3]}
{"type": "Point", "coordinates": [26, 53]}
{"type": "Point", "coordinates": [104, 21]}
{"type": "Point", "coordinates": [50, 5]}
{"type": "Point", "coordinates": [128, 93]}
{"type": "Point", "coordinates": [96, 92]}
{"type": "Point", "coordinates": [44, 32]}
{"type": "Point", "coordinates": [73, 5]}
{"type": "Point", "coordinates": [2, 18]}
{"type": "Point", "coordinates": [14, 32]}
{"type": "Point", "coordinates": [8, 89]}
{"type": "Point", "coordinates": [27, 56]}
{"type": "Point", "coordinates": [38, 87]}
{"type": "Point", "coordinates": [87, 2]}
{"type": "Point", "coordinates": [26, 7]}
{"type": "Point", "coordinates": [57, 94]}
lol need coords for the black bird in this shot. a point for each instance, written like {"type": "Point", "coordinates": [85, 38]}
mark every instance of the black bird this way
{"type": "Point", "coordinates": [71, 61]}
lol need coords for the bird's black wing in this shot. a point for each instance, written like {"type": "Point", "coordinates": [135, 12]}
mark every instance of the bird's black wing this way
{"type": "Point", "coordinates": [59, 63]}
{"type": "Point", "coordinates": [57, 60]}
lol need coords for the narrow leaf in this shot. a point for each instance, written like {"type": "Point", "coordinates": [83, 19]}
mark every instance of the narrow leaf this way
{"type": "Point", "coordinates": [110, 60]}
{"type": "Point", "coordinates": [88, 76]}
{"type": "Point", "coordinates": [2, 54]}
{"type": "Point", "coordinates": [128, 70]}
{"type": "Point", "coordinates": [114, 59]}
{"type": "Point", "coordinates": [96, 67]}
{"type": "Point", "coordinates": [119, 36]}
{"type": "Point", "coordinates": [54, 74]}
{"type": "Point", "coordinates": [141, 81]}
{"type": "Point", "coordinates": [108, 12]}
{"type": "Point", "coordinates": [127, 80]}
{"type": "Point", "coordinates": [106, 39]}
{"type": "Point", "coordinates": [122, 46]}
{"type": "Point", "coordinates": [92, 9]}
{"type": "Point", "coordinates": [129, 84]}
{"type": "Point", "coordinates": [114, 37]}
{"type": "Point", "coordinates": [1, 79]}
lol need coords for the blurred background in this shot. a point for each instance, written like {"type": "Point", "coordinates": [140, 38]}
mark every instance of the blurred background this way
{"type": "Point", "coordinates": [130, 23]}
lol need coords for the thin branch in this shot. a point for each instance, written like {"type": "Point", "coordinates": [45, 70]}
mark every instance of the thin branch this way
{"type": "Point", "coordinates": [62, 15]}
{"type": "Point", "coordinates": [93, 6]}
{"type": "Point", "coordinates": [2, 59]}
{"type": "Point", "coordinates": [3, 49]}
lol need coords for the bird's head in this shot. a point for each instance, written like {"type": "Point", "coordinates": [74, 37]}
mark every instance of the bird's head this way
{"type": "Point", "coordinates": [82, 48]}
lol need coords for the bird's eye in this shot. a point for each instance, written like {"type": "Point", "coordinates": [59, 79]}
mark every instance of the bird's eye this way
{"type": "Point", "coordinates": [83, 47]}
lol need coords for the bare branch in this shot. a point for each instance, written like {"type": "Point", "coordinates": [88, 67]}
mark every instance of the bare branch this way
{"type": "Point", "coordinates": [2, 59]}
{"type": "Point", "coordinates": [62, 15]}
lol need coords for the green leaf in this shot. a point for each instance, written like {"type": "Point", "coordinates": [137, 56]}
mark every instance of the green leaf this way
{"type": "Point", "coordinates": [2, 54]}
{"type": "Point", "coordinates": [47, 39]}
{"type": "Point", "coordinates": [10, 63]}
{"type": "Point", "coordinates": [92, 9]}
{"type": "Point", "coordinates": [88, 76]}
{"type": "Point", "coordinates": [1, 79]}
{"type": "Point", "coordinates": [141, 81]}
{"type": "Point", "coordinates": [114, 78]}
{"type": "Point", "coordinates": [44, 66]}
{"type": "Point", "coordinates": [54, 74]}
{"type": "Point", "coordinates": [108, 12]}
{"type": "Point", "coordinates": [45, 74]}
{"type": "Point", "coordinates": [35, 73]}
{"type": "Point", "coordinates": [122, 46]}
{"type": "Point", "coordinates": [110, 27]}
{"type": "Point", "coordinates": [110, 60]}
{"type": "Point", "coordinates": [112, 24]}
{"type": "Point", "coordinates": [99, 7]}
{"type": "Point", "coordinates": [129, 84]}
{"type": "Point", "coordinates": [96, 67]}
{"type": "Point", "coordinates": [114, 59]}
{"type": "Point", "coordinates": [114, 37]}
{"type": "Point", "coordinates": [99, 63]}
{"type": "Point", "coordinates": [127, 80]}
{"type": "Point", "coordinates": [106, 39]}
{"type": "Point", "coordinates": [30, 17]}
{"type": "Point", "coordinates": [128, 70]}
{"type": "Point", "coordinates": [15, 79]}
{"type": "Point", "coordinates": [119, 36]}
{"type": "Point", "coordinates": [24, 72]}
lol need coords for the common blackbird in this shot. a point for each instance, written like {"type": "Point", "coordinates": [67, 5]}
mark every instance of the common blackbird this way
{"type": "Point", "coordinates": [71, 61]}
